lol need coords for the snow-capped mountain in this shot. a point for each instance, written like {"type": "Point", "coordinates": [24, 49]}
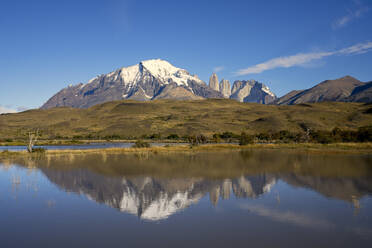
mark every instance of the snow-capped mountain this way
{"type": "Point", "coordinates": [148, 80]}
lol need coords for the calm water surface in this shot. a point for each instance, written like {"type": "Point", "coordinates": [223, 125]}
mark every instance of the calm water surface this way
{"type": "Point", "coordinates": [225, 199]}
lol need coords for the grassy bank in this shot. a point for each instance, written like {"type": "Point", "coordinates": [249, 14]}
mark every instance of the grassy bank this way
{"type": "Point", "coordinates": [360, 148]}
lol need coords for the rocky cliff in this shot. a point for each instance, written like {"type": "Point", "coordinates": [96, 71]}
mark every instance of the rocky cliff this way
{"type": "Point", "coordinates": [251, 91]}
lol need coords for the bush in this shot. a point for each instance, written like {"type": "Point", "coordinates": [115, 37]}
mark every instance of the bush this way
{"type": "Point", "coordinates": [141, 144]}
{"type": "Point", "coordinates": [112, 137]}
{"type": "Point", "coordinates": [364, 134]}
{"type": "Point", "coordinates": [216, 138]}
{"type": "Point", "coordinates": [226, 135]}
{"type": "Point", "coordinates": [8, 140]}
{"type": "Point", "coordinates": [245, 139]}
{"type": "Point", "coordinates": [196, 140]}
{"type": "Point", "coordinates": [264, 136]}
{"type": "Point", "coordinates": [155, 136]}
{"type": "Point", "coordinates": [38, 150]}
{"type": "Point", "coordinates": [322, 137]}
{"type": "Point", "coordinates": [173, 136]}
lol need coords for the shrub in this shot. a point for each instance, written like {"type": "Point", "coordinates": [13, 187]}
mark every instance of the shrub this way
{"type": "Point", "coordinates": [264, 136]}
{"type": "Point", "coordinates": [196, 140]}
{"type": "Point", "coordinates": [89, 136]}
{"type": "Point", "coordinates": [112, 137]}
{"type": "Point", "coordinates": [173, 136]}
{"type": "Point", "coordinates": [141, 144]}
{"type": "Point", "coordinates": [155, 136]}
{"type": "Point", "coordinates": [226, 135]}
{"type": "Point", "coordinates": [364, 134]}
{"type": "Point", "coordinates": [216, 138]}
{"type": "Point", "coordinates": [38, 150]}
{"type": "Point", "coordinates": [322, 137]}
{"type": "Point", "coordinates": [245, 139]}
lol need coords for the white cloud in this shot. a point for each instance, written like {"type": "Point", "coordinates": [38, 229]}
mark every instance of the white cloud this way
{"type": "Point", "coordinates": [300, 219]}
{"type": "Point", "coordinates": [357, 49]}
{"type": "Point", "coordinates": [358, 10]}
{"type": "Point", "coordinates": [303, 58]}
{"type": "Point", "coordinates": [289, 217]}
{"type": "Point", "coordinates": [218, 69]}
{"type": "Point", "coordinates": [4, 110]}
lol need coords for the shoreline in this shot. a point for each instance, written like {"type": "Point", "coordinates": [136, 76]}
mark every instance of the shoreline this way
{"type": "Point", "coordinates": [337, 148]}
{"type": "Point", "coordinates": [87, 142]}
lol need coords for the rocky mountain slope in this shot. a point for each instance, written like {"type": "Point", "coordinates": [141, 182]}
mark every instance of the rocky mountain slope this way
{"type": "Point", "coordinates": [148, 80]}
{"type": "Point", "coordinates": [343, 89]}
{"type": "Point", "coordinates": [361, 93]}
{"type": "Point", "coordinates": [251, 91]}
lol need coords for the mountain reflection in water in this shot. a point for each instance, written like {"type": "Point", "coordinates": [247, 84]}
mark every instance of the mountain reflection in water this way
{"type": "Point", "coordinates": [155, 186]}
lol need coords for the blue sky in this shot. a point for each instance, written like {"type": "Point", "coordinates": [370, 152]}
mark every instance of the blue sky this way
{"type": "Point", "coordinates": [46, 45]}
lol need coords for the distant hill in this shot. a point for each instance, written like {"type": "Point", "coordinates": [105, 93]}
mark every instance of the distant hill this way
{"type": "Point", "coordinates": [129, 118]}
{"type": "Point", "coordinates": [336, 90]}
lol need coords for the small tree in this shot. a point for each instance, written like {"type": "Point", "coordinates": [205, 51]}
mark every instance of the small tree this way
{"type": "Point", "coordinates": [32, 138]}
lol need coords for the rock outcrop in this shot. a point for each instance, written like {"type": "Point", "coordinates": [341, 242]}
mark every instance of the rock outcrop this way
{"type": "Point", "coordinates": [225, 88]}
{"type": "Point", "coordinates": [213, 82]}
{"type": "Point", "coordinates": [251, 91]}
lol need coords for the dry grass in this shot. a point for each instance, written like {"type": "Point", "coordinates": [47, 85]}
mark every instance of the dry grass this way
{"type": "Point", "coordinates": [360, 148]}
{"type": "Point", "coordinates": [133, 119]}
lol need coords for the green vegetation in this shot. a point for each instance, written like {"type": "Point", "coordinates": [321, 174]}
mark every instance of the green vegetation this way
{"type": "Point", "coordinates": [196, 122]}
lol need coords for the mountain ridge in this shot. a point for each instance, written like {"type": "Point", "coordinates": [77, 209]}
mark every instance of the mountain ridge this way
{"type": "Point", "coordinates": [151, 80]}
{"type": "Point", "coordinates": [143, 81]}
{"type": "Point", "coordinates": [158, 79]}
{"type": "Point", "coordinates": [338, 90]}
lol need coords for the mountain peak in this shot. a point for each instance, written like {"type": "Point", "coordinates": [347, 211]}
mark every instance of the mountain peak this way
{"type": "Point", "coordinates": [160, 68]}
{"type": "Point", "coordinates": [143, 81]}
{"type": "Point", "coordinates": [348, 77]}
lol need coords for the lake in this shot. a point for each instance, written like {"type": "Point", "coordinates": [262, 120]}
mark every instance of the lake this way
{"type": "Point", "coordinates": [253, 198]}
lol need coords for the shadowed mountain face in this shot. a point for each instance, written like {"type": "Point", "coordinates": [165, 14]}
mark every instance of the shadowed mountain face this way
{"type": "Point", "coordinates": [342, 89]}
{"type": "Point", "coordinates": [148, 80]}
{"type": "Point", "coordinates": [361, 93]}
{"type": "Point", "coordinates": [154, 187]}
